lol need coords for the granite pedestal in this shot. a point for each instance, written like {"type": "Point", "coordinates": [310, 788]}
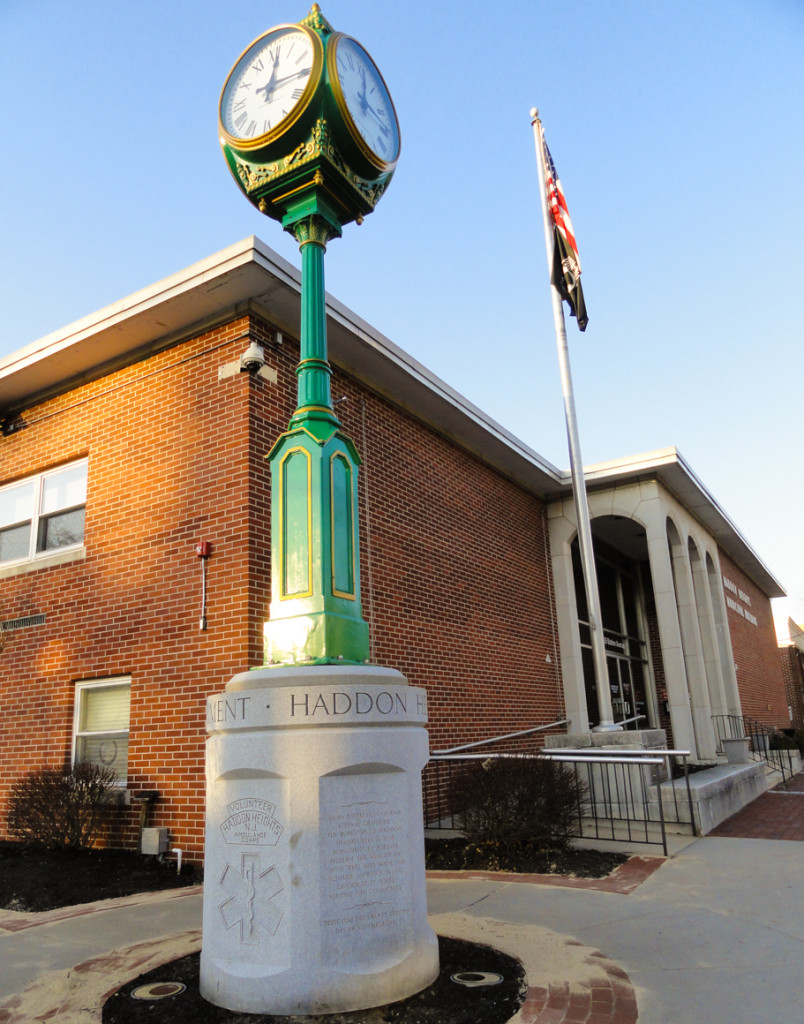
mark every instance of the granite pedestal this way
{"type": "Point", "coordinates": [314, 895]}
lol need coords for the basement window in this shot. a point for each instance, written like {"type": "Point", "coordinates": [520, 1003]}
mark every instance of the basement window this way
{"type": "Point", "coordinates": [43, 514]}
{"type": "Point", "coordinates": [101, 724]}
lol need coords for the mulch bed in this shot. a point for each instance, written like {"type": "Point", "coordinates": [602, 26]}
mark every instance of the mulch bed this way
{"type": "Point", "coordinates": [458, 855]}
{"type": "Point", "coordinates": [444, 1002]}
{"type": "Point", "coordinates": [33, 879]}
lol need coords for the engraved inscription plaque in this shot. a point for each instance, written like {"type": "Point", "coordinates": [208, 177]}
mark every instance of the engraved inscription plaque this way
{"type": "Point", "coordinates": [365, 868]}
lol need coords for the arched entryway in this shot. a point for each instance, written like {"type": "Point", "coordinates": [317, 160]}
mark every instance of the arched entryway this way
{"type": "Point", "coordinates": [623, 574]}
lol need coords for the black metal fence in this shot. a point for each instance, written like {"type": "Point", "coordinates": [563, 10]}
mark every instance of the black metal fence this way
{"type": "Point", "coordinates": [630, 796]}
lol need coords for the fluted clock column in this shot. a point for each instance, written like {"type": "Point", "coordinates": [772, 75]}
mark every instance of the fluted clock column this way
{"type": "Point", "coordinates": [315, 615]}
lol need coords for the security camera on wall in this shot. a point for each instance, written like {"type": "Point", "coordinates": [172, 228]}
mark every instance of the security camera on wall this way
{"type": "Point", "coordinates": [253, 359]}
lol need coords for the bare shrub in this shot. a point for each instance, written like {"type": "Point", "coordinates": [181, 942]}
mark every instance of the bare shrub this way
{"type": "Point", "coordinates": [59, 808]}
{"type": "Point", "coordinates": [518, 802]}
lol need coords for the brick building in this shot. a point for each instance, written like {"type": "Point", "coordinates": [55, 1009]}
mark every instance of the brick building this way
{"type": "Point", "coordinates": [132, 436]}
{"type": "Point", "coordinates": [792, 655]}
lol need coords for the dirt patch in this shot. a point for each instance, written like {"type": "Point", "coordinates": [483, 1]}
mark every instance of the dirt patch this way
{"type": "Point", "coordinates": [33, 879]}
{"type": "Point", "coordinates": [444, 1002]}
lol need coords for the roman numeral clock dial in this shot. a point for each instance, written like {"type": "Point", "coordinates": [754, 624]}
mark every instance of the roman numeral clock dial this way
{"type": "Point", "coordinates": [269, 86]}
{"type": "Point", "coordinates": [364, 101]}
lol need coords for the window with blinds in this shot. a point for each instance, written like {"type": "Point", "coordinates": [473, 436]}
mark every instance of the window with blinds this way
{"type": "Point", "coordinates": [102, 723]}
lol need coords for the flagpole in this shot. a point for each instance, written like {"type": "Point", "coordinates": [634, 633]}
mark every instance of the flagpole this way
{"type": "Point", "coordinates": [606, 723]}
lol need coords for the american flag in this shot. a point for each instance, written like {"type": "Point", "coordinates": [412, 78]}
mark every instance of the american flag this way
{"type": "Point", "coordinates": [566, 261]}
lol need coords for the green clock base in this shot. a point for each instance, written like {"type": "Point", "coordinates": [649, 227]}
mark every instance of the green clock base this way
{"type": "Point", "coordinates": [315, 613]}
{"type": "Point", "coordinates": [316, 638]}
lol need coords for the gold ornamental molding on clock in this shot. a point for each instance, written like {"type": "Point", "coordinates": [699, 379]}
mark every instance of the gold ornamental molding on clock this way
{"type": "Point", "coordinates": [255, 178]}
{"type": "Point", "coordinates": [313, 229]}
{"type": "Point", "coordinates": [315, 19]}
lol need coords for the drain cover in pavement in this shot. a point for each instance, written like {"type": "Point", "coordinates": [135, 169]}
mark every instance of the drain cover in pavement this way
{"type": "Point", "coordinates": [475, 979]}
{"type": "Point", "coordinates": [158, 990]}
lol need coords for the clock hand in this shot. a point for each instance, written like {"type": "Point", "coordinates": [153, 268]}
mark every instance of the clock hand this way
{"type": "Point", "coordinates": [289, 78]}
{"type": "Point", "coordinates": [364, 103]}
{"type": "Point", "coordinates": [383, 126]}
{"type": "Point", "coordinates": [270, 85]}
{"type": "Point", "coordinates": [366, 108]}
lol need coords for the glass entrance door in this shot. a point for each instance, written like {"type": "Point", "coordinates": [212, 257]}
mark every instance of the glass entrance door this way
{"type": "Point", "coordinates": [627, 685]}
{"type": "Point", "coordinates": [626, 649]}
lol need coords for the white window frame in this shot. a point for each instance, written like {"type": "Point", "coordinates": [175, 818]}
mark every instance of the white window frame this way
{"type": "Point", "coordinates": [94, 684]}
{"type": "Point", "coordinates": [37, 515]}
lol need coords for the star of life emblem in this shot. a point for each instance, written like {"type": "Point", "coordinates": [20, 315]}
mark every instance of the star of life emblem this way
{"type": "Point", "coordinates": [250, 892]}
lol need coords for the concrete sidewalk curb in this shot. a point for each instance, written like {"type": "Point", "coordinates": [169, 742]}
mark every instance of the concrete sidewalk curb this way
{"type": "Point", "coordinates": [623, 880]}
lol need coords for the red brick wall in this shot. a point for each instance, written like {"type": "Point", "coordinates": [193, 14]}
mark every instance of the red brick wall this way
{"type": "Point", "coordinates": [454, 568]}
{"type": "Point", "coordinates": [793, 670]}
{"type": "Point", "coordinates": [759, 672]}
{"type": "Point", "coordinates": [168, 455]}
{"type": "Point", "coordinates": [460, 597]}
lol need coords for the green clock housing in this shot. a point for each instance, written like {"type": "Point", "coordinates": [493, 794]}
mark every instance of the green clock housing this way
{"type": "Point", "coordinates": [307, 125]}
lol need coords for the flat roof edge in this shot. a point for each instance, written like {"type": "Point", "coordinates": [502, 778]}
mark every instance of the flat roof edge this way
{"type": "Point", "coordinates": [152, 295]}
{"type": "Point", "coordinates": [670, 467]}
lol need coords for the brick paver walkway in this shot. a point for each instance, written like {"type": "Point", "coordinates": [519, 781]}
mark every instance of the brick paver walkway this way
{"type": "Point", "coordinates": [777, 814]}
{"type": "Point", "coordinates": [608, 999]}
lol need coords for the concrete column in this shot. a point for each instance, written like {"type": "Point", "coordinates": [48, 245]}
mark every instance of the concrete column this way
{"type": "Point", "coordinates": [706, 625]}
{"type": "Point", "coordinates": [562, 532]}
{"type": "Point", "coordinates": [693, 650]}
{"type": "Point", "coordinates": [664, 593]}
{"type": "Point", "coordinates": [732, 705]}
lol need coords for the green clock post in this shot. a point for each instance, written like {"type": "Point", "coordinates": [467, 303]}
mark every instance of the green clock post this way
{"type": "Point", "coordinates": [310, 134]}
{"type": "Point", "coordinates": [314, 841]}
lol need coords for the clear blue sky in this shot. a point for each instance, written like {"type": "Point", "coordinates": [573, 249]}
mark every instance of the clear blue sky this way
{"type": "Point", "coordinates": [678, 131]}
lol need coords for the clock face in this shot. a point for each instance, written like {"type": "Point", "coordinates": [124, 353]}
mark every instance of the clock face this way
{"type": "Point", "coordinates": [269, 86]}
{"type": "Point", "coordinates": [365, 101]}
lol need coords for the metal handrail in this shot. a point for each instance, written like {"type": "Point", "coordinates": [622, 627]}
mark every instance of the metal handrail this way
{"type": "Point", "coordinates": [743, 727]}
{"type": "Point", "coordinates": [585, 754]}
{"type": "Point", "coordinates": [621, 752]}
{"type": "Point", "coordinates": [552, 755]}
{"type": "Point", "coordinates": [498, 739]}
{"type": "Point", "coordinates": [596, 759]}
{"type": "Point", "coordinates": [635, 718]}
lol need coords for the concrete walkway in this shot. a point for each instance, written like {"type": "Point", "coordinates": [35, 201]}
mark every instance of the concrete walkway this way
{"type": "Point", "coordinates": [715, 934]}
